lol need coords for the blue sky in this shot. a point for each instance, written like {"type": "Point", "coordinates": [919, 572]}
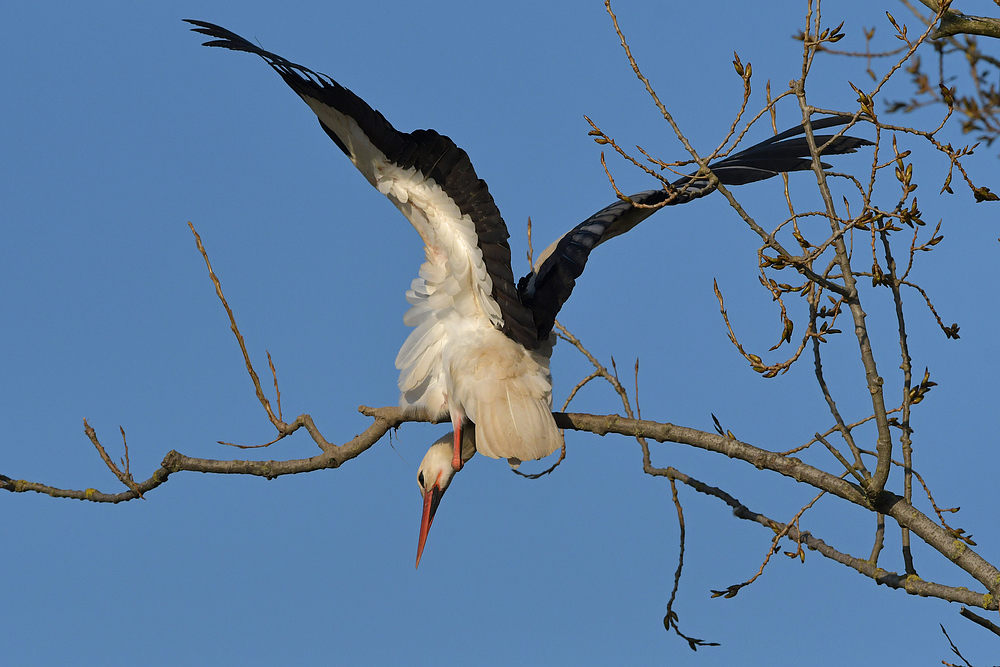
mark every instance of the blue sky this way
{"type": "Point", "coordinates": [118, 129]}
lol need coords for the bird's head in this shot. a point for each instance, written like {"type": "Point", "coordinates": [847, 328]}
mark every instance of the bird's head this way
{"type": "Point", "coordinates": [435, 474]}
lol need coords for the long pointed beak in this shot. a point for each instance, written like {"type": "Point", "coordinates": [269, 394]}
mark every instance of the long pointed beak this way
{"type": "Point", "coordinates": [431, 500]}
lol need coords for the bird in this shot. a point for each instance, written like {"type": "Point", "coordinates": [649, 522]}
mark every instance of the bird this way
{"type": "Point", "coordinates": [481, 343]}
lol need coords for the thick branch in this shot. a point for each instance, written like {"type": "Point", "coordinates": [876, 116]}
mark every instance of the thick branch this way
{"type": "Point", "coordinates": [888, 503]}
{"type": "Point", "coordinates": [910, 583]}
{"type": "Point", "coordinates": [853, 301]}
{"type": "Point", "coordinates": [957, 23]}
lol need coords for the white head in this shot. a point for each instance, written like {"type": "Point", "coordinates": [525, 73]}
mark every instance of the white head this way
{"type": "Point", "coordinates": [435, 474]}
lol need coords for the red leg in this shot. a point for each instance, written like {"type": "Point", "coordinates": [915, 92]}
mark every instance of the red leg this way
{"type": "Point", "coordinates": [456, 462]}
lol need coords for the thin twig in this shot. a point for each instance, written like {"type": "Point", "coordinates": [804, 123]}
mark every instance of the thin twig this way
{"type": "Point", "coordinates": [671, 619]}
{"type": "Point", "coordinates": [124, 477]}
{"type": "Point", "coordinates": [280, 425]}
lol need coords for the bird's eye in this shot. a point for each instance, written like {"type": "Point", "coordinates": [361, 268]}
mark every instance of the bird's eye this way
{"type": "Point", "coordinates": [420, 479]}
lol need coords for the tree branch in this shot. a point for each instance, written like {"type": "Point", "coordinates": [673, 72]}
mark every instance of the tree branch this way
{"type": "Point", "coordinates": [909, 583]}
{"type": "Point", "coordinates": [390, 417]}
{"type": "Point", "coordinates": [956, 23]}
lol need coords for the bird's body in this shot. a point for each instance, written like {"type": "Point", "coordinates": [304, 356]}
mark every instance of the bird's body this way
{"type": "Point", "coordinates": [457, 362]}
{"type": "Point", "coordinates": [480, 346]}
{"type": "Point", "coordinates": [498, 385]}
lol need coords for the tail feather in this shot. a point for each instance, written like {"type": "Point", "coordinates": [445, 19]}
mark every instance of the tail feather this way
{"type": "Point", "coordinates": [506, 391]}
{"type": "Point", "coordinates": [519, 427]}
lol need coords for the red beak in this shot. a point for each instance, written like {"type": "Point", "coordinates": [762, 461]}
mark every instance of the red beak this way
{"type": "Point", "coordinates": [431, 500]}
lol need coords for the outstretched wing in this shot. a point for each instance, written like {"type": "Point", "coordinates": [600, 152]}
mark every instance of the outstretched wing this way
{"type": "Point", "coordinates": [547, 287]}
{"type": "Point", "coordinates": [423, 173]}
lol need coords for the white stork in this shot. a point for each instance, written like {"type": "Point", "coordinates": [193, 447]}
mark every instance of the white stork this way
{"type": "Point", "coordinates": [481, 343]}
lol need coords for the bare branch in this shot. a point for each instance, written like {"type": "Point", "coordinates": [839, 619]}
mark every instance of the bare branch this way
{"type": "Point", "coordinates": [954, 649]}
{"type": "Point", "coordinates": [124, 477]}
{"type": "Point", "coordinates": [280, 425]}
{"type": "Point", "coordinates": [671, 619]}
{"type": "Point", "coordinates": [909, 583]}
{"type": "Point", "coordinates": [979, 620]}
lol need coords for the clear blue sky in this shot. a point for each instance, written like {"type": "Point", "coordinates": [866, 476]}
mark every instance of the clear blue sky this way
{"type": "Point", "coordinates": [117, 128]}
